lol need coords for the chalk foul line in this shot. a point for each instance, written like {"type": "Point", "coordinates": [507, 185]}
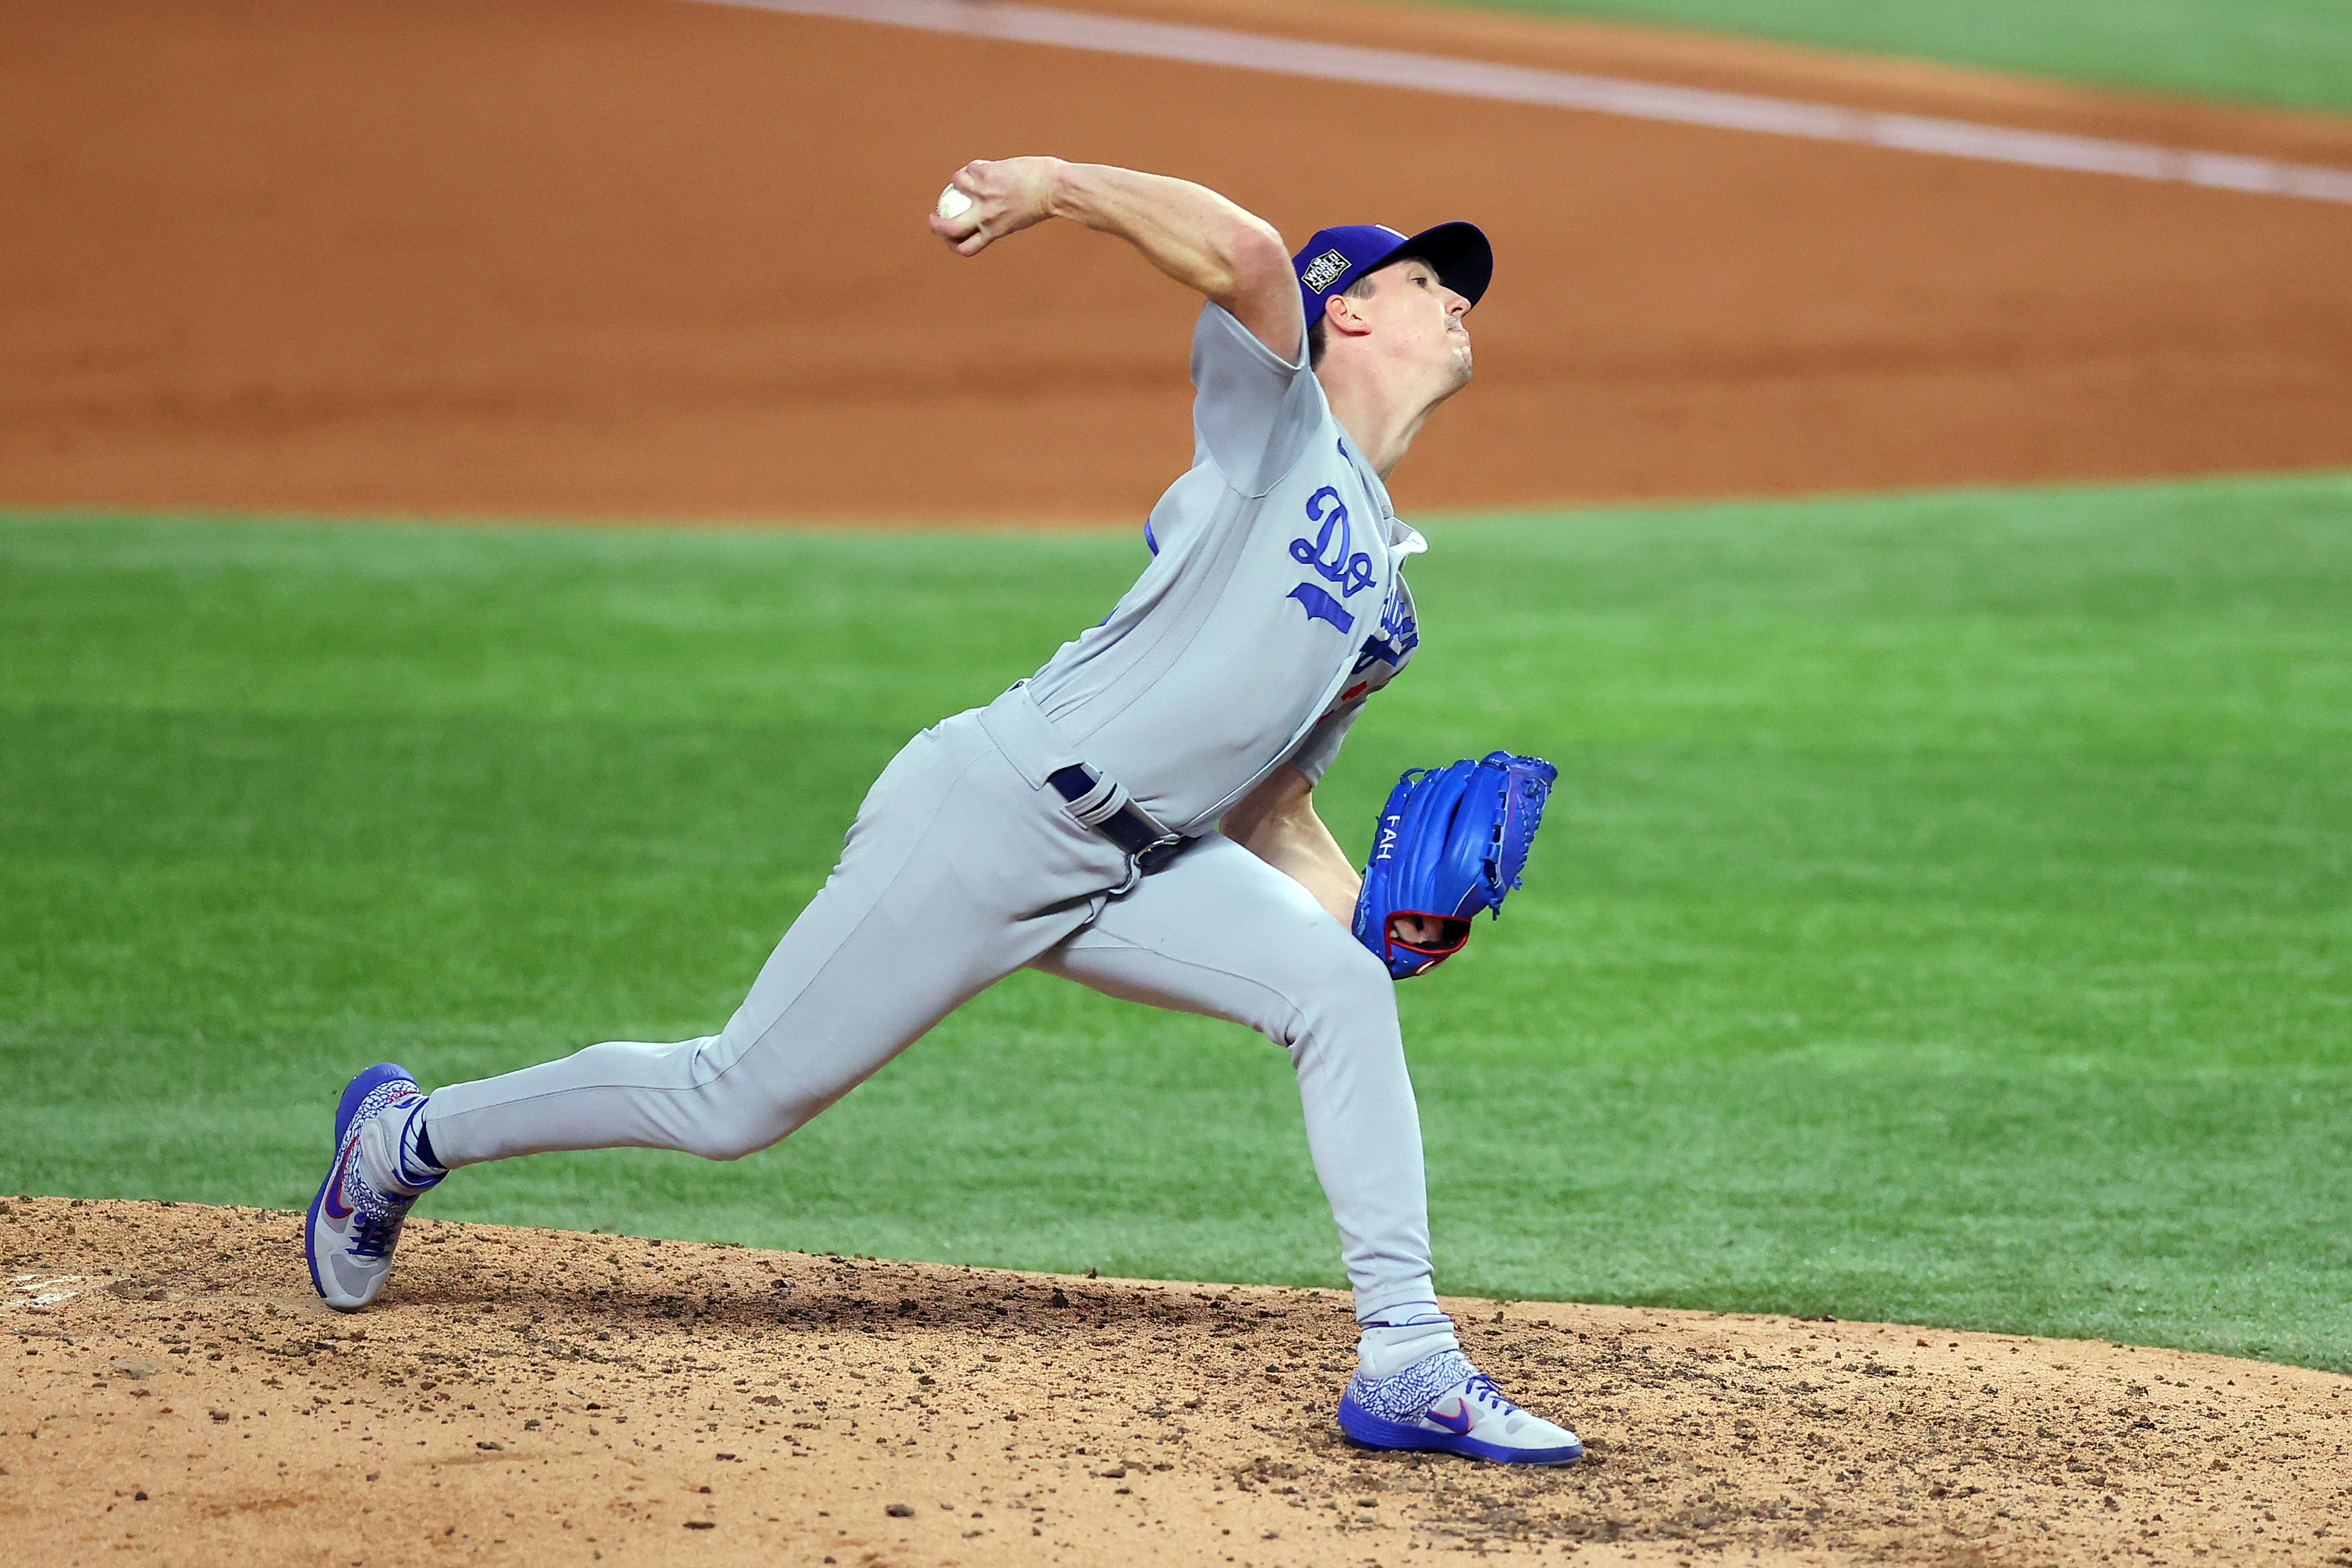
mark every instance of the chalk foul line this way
{"type": "Point", "coordinates": [38, 1292]}
{"type": "Point", "coordinates": [1015, 23]}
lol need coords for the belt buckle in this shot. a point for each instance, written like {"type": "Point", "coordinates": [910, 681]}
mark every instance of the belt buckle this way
{"type": "Point", "coordinates": [1158, 852]}
{"type": "Point", "coordinates": [1147, 860]}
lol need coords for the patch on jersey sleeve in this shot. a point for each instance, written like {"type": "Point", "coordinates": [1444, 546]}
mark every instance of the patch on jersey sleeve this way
{"type": "Point", "coordinates": [1324, 271]}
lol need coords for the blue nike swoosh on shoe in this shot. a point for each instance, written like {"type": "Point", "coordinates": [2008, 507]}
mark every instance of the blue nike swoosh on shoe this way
{"type": "Point", "coordinates": [1457, 1423]}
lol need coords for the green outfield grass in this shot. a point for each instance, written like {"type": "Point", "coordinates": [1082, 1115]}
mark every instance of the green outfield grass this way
{"type": "Point", "coordinates": [1944, 915]}
{"type": "Point", "coordinates": [2297, 53]}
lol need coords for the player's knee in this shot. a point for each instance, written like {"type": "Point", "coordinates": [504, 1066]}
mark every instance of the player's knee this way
{"type": "Point", "coordinates": [744, 1127]}
{"type": "Point", "coordinates": [726, 1143]}
{"type": "Point", "coordinates": [731, 1108]}
{"type": "Point", "coordinates": [1354, 970]}
{"type": "Point", "coordinates": [1339, 991]}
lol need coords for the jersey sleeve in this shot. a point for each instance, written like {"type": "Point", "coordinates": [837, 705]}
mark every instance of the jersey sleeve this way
{"type": "Point", "coordinates": [1313, 755]}
{"type": "Point", "coordinates": [1253, 412]}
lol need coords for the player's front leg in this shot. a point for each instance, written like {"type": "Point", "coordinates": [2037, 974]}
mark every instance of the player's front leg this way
{"type": "Point", "coordinates": [1222, 931]}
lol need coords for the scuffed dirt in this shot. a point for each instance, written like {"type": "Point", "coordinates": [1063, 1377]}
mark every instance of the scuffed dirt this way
{"type": "Point", "coordinates": [537, 1396]}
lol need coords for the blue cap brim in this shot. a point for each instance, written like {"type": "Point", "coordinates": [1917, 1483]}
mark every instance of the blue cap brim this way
{"type": "Point", "coordinates": [1459, 251]}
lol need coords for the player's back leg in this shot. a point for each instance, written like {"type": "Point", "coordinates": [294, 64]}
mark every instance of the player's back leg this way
{"type": "Point", "coordinates": [954, 876]}
{"type": "Point", "coordinates": [956, 873]}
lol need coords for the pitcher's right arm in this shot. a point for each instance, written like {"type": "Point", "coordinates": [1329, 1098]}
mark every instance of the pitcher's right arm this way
{"type": "Point", "coordinates": [1190, 233]}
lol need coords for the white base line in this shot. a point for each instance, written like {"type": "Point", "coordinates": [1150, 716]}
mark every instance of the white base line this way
{"type": "Point", "coordinates": [1015, 23]}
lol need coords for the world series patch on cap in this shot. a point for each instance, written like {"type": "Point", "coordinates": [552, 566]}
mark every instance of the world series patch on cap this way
{"type": "Point", "coordinates": [1334, 258]}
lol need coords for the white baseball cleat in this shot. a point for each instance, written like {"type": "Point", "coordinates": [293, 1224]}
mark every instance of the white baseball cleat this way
{"type": "Point", "coordinates": [1442, 1402]}
{"type": "Point", "coordinates": [354, 1222]}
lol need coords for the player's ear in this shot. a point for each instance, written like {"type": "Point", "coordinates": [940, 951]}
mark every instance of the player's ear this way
{"type": "Point", "coordinates": [1343, 315]}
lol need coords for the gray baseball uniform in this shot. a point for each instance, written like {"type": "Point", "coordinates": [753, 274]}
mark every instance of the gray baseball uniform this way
{"type": "Point", "coordinates": [1273, 605]}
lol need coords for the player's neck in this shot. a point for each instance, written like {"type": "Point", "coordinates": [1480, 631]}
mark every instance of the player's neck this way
{"type": "Point", "coordinates": [1380, 421]}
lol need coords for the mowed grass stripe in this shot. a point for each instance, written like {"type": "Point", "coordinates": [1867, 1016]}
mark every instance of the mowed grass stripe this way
{"type": "Point", "coordinates": [2296, 53]}
{"type": "Point", "coordinates": [1943, 915]}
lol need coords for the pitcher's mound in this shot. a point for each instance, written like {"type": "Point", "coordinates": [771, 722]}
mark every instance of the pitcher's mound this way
{"type": "Point", "coordinates": [544, 1396]}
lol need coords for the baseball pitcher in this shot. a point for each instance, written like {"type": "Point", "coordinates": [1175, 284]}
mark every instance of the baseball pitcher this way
{"type": "Point", "coordinates": [1137, 816]}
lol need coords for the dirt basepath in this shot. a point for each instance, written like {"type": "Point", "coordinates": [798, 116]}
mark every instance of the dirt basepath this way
{"type": "Point", "coordinates": [529, 1396]}
{"type": "Point", "coordinates": [636, 259]}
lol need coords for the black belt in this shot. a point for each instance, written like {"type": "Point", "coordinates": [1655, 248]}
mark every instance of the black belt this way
{"type": "Point", "coordinates": [1127, 827]}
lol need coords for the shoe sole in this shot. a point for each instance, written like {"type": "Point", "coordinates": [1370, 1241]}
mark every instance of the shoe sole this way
{"type": "Point", "coordinates": [1371, 1431]}
{"type": "Point", "coordinates": [357, 1089]}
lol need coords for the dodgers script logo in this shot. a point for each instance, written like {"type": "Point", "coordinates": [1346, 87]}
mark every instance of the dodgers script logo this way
{"type": "Point", "coordinates": [1332, 553]}
{"type": "Point", "coordinates": [1323, 270]}
{"type": "Point", "coordinates": [1344, 564]}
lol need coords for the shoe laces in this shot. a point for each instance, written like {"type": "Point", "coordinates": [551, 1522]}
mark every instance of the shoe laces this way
{"type": "Point", "coordinates": [375, 1233]}
{"type": "Point", "coordinates": [1482, 1388]}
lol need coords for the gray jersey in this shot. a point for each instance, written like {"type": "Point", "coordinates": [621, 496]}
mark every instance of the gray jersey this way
{"type": "Point", "coordinates": [1275, 602]}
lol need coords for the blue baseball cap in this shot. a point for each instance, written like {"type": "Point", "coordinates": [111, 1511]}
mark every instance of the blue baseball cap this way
{"type": "Point", "coordinates": [1334, 258]}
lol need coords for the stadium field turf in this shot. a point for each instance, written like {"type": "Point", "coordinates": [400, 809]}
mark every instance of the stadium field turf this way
{"type": "Point", "coordinates": [1944, 915]}
{"type": "Point", "coordinates": [2293, 53]}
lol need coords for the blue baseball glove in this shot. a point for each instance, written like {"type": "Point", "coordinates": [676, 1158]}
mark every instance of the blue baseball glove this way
{"type": "Point", "coordinates": [1450, 842]}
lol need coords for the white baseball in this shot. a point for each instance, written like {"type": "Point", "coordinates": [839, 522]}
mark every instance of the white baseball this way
{"type": "Point", "coordinates": [952, 203]}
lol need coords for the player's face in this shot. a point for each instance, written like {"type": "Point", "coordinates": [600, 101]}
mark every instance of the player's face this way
{"type": "Point", "coordinates": [1422, 321]}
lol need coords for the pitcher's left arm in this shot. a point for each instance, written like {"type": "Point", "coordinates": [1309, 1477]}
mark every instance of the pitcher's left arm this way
{"type": "Point", "coordinates": [1277, 822]}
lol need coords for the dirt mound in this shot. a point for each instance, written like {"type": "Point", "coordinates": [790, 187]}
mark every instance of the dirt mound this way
{"type": "Point", "coordinates": [532, 1395]}
{"type": "Point", "coordinates": [632, 258]}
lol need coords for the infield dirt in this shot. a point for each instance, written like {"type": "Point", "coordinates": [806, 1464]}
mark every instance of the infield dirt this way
{"type": "Point", "coordinates": [178, 1394]}
{"type": "Point", "coordinates": [637, 259]}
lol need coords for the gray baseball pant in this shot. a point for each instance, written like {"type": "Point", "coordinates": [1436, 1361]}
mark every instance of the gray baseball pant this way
{"type": "Point", "coordinates": [961, 867]}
